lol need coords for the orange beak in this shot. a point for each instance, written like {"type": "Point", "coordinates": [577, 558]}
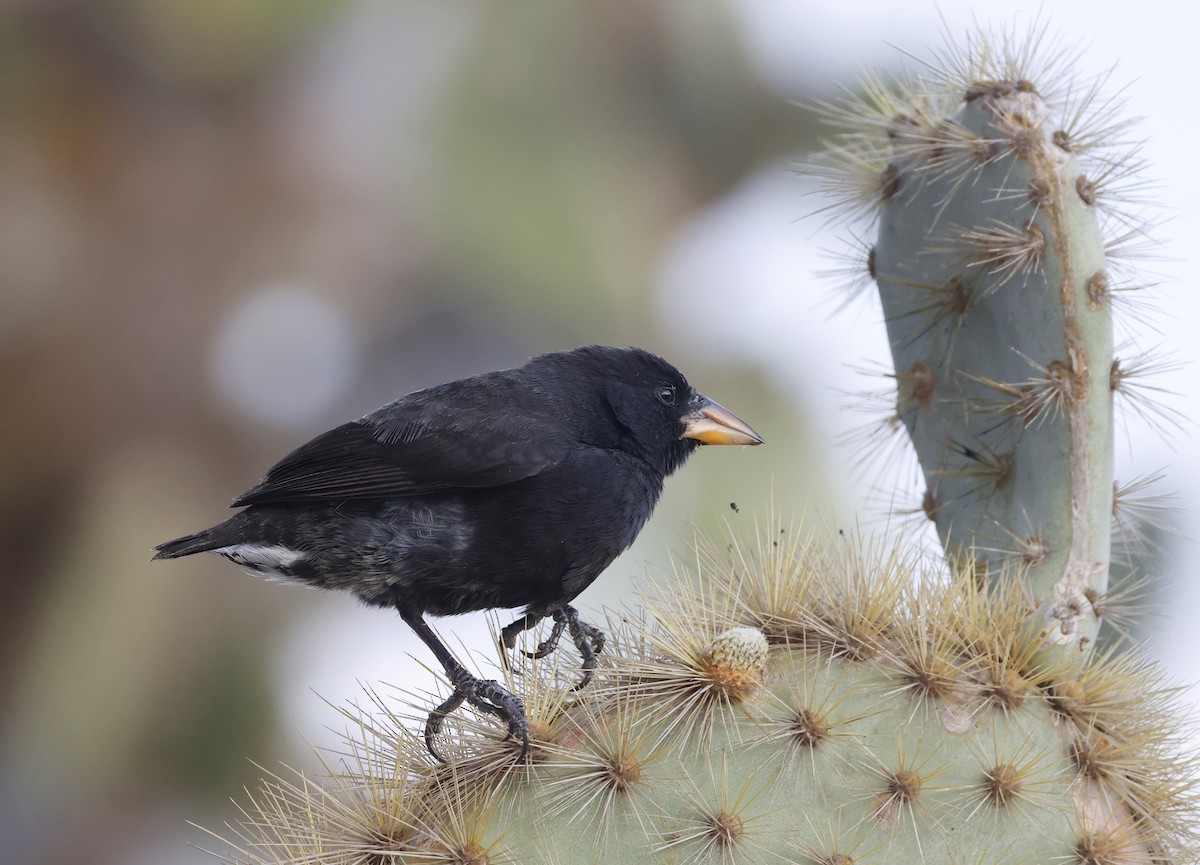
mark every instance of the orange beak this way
{"type": "Point", "coordinates": [712, 424]}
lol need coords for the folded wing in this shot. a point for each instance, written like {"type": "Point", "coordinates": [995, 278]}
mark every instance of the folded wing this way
{"type": "Point", "coordinates": [428, 442]}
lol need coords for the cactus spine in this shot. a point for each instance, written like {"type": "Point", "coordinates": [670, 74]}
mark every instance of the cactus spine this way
{"type": "Point", "coordinates": [846, 704]}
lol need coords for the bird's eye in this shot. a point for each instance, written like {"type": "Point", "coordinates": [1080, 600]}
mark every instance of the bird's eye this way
{"type": "Point", "coordinates": [666, 395]}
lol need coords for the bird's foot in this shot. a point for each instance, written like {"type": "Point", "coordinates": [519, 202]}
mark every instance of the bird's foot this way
{"type": "Point", "coordinates": [489, 697]}
{"type": "Point", "coordinates": [588, 639]}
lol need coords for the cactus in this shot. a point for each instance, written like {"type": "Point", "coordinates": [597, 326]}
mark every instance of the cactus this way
{"type": "Point", "coordinates": [805, 706]}
{"type": "Point", "coordinates": [852, 702]}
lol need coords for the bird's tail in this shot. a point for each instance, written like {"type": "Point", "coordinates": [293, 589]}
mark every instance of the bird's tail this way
{"type": "Point", "coordinates": [198, 543]}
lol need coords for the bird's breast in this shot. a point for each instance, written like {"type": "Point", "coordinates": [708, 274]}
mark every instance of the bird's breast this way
{"type": "Point", "coordinates": [593, 511]}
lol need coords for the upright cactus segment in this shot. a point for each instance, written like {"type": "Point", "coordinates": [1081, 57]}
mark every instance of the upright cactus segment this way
{"type": "Point", "coordinates": [991, 194]}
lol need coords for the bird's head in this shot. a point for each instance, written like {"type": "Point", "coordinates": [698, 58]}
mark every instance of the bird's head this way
{"type": "Point", "coordinates": [644, 405]}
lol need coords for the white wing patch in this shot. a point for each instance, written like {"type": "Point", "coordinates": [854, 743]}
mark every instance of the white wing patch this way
{"type": "Point", "coordinates": [269, 560]}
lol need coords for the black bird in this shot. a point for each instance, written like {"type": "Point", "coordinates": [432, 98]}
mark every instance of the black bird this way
{"type": "Point", "coordinates": [507, 489]}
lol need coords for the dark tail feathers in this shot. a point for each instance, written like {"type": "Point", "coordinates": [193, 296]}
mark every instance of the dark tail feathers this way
{"type": "Point", "coordinates": [188, 544]}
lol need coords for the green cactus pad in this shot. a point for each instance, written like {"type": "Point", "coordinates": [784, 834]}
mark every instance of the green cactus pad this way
{"type": "Point", "coordinates": [929, 735]}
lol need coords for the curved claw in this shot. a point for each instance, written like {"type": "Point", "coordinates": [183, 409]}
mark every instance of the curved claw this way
{"type": "Point", "coordinates": [504, 704]}
{"type": "Point", "coordinates": [433, 724]}
{"type": "Point", "coordinates": [549, 644]}
{"type": "Point", "coordinates": [518, 730]}
{"type": "Point", "coordinates": [589, 640]}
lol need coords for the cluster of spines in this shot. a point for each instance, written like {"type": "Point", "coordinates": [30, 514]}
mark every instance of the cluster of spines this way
{"type": "Point", "coordinates": [907, 712]}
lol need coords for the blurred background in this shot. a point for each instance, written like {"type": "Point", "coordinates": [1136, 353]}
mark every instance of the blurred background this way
{"type": "Point", "coordinates": [228, 225]}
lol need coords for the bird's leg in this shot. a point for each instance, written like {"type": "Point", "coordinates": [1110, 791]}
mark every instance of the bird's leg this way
{"type": "Point", "coordinates": [588, 639]}
{"type": "Point", "coordinates": [486, 695]}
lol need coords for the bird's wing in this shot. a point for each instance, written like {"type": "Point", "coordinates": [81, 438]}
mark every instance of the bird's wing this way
{"type": "Point", "coordinates": [413, 447]}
